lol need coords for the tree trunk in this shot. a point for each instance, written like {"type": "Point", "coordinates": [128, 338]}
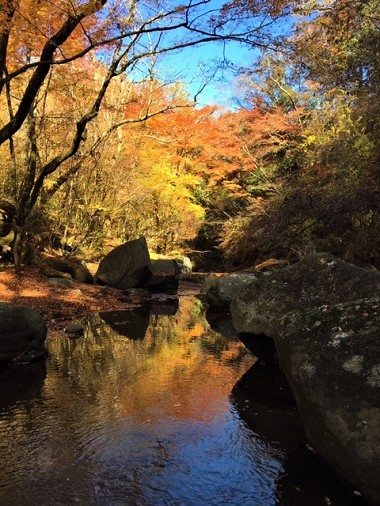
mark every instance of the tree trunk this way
{"type": "Point", "coordinates": [17, 246]}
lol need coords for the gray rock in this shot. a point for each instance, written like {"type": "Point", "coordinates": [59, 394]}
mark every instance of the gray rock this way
{"type": "Point", "coordinates": [185, 265]}
{"type": "Point", "coordinates": [59, 267]}
{"type": "Point", "coordinates": [74, 328]}
{"type": "Point", "coordinates": [69, 283]}
{"type": "Point", "coordinates": [316, 280]}
{"type": "Point", "coordinates": [324, 316]}
{"type": "Point", "coordinates": [127, 266]}
{"type": "Point", "coordinates": [165, 276]}
{"type": "Point", "coordinates": [21, 330]}
{"type": "Point", "coordinates": [221, 289]}
{"type": "Point", "coordinates": [330, 356]}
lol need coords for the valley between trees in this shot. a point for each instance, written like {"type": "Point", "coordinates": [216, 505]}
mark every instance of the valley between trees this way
{"type": "Point", "coordinates": [96, 148]}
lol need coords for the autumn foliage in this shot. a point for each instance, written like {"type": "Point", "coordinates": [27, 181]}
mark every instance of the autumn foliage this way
{"type": "Point", "coordinates": [96, 151]}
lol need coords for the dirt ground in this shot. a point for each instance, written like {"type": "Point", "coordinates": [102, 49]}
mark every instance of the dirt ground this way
{"type": "Point", "coordinates": [60, 305]}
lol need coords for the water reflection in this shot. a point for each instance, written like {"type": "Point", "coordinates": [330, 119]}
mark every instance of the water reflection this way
{"type": "Point", "coordinates": [134, 323]}
{"type": "Point", "coordinates": [264, 401]}
{"type": "Point", "coordinates": [147, 420]}
{"type": "Point", "coordinates": [131, 324]}
{"type": "Point", "coordinates": [21, 384]}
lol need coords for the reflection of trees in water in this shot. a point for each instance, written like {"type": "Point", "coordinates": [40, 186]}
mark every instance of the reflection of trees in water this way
{"type": "Point", "coordinates": [110, 398]}
{"type": "Point", "coordinates": [113, 412]}
{"type": "Point", "coordinates": [130, 376]}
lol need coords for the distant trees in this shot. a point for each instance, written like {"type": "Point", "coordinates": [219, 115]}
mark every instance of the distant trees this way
{"type": "Point", "coordinates": [328, 182]}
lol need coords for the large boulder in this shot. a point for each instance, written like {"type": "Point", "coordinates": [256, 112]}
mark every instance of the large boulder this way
{"type": "Point", "coordinates": [330, 356]}
{"type": "Point", "coordinates": [324, 317]}
{"type": "Point", "coordinates": [316, 280]}
{"type": "Point", "coordinates": [127, 266]}
{"type": "Point", "coordinates": [21, 331]}
{"type": "Point", "coordinates": [221, 289]}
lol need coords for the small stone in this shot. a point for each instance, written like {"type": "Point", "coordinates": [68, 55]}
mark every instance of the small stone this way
{"type": "Point", "coordinates": [74, 328]}
{"type": "Point", "coordinates": [61, 282]}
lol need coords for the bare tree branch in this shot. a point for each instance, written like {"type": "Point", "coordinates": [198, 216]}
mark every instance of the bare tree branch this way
{"type": "Point", "coordinates": [6, 15]}
{"type": "Point", "coordinates": [42, 70]}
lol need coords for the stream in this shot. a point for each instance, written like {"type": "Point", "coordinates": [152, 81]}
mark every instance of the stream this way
{"type": "Point", "coordinates": [154, 407]}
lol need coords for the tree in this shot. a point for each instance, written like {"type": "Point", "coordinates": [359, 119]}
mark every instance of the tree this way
{"type": "Point", "coordinates": [329, 199]}
{"type": "Point", "coordinates": [137, 185]}
{"type": "Point", "coordinates": [43, 46]}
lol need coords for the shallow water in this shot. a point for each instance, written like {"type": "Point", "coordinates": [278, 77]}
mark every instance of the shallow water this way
{"type": "Point", "coordinates": [149, 409]}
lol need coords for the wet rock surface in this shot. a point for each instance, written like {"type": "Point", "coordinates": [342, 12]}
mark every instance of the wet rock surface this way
{"type": "Point", "coordinates": [22, 330]}
{"type": "Point", "coordinates": [330, 356]}
{"type": "Point", "coordinates": [324, 317]}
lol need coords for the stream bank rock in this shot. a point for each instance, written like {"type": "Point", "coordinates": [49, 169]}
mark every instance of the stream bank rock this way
{"type": "Point", "coordinates": [330, 356]}
{"type": "Point", "coordinates": [221, 289]}
{"type": "Point", "coordinates": [324, 317]}
{"type": "Point", "coordinates": [165, 276]}
{"type": "Point", "coordinates": [185, 265]}
{"type": "Point", "coordinates": [22, 331]}
{"type": "Point", "coordinates": [64, 267]}
{"type": "Point", "coordinates": [126, 266]}
{"type": "Point", "coordinates": [316, 280]}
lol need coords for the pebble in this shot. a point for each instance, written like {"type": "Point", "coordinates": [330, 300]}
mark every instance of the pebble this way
{"type": "Point", "coordinates": [74, 328]}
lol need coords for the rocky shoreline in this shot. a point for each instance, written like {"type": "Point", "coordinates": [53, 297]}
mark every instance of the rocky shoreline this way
{"type": "Point", "coordinates": [323, 316]}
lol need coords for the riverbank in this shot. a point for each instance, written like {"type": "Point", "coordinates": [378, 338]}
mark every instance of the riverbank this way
{"type": "Point", "coordinates": [59, 304]}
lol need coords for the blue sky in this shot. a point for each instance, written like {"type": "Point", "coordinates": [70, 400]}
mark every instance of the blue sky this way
{"type": "Point", "coordinates": [192, 66]}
